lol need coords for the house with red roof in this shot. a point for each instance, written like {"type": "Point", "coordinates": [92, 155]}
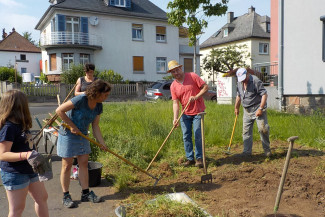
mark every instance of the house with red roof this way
{"type": "Point", "coordinates": [19, 53]}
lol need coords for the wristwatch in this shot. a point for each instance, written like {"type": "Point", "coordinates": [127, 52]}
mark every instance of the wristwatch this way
{"type": "Point", "coordinates": [260, 108]}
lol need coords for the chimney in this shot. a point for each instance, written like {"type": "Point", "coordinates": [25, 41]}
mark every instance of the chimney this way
{"type": "Point", "coordinates": [251, 9]}
{"type": "Point", "coordinates": [230, 17]}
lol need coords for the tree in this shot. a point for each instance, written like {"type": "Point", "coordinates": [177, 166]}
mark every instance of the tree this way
{"type": "Point", "coordinates": [189, 12]}
{"type": "Point", "coordinates": [225, 59]}
{"type": "Point", "coordinates": [28, 36]}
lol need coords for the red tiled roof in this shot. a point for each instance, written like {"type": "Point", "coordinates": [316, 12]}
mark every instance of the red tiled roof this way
{"type": "Point", "coordinates": [15, 42]}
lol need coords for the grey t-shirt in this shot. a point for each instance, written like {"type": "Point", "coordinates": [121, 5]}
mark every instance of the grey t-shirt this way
{"type": "Point", "coordinates": [254, 91]}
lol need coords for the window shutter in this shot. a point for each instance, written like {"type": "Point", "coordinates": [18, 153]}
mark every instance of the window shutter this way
{"type": "Point", "coordinates": [61, 22]}
{"type": "Point", "coordinates": [128, 3]}
{"type": "Point", "coordinates": [112, 2]}
{"type": "Point", "coordinates": [84, 24]}
{"type": "Point", "coordinates": [161, 30]}
{"type": "Point", "coordinates": [138, 63]}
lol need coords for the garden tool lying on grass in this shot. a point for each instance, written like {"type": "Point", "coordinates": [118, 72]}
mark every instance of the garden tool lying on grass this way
{"type": "Point", "coordinates": [162, 145]}
{"type": "Point", "coordinates": [207, 177]}
{"type": "Point", "coordinates": [284, 173]}
{"type": "Point", "coordinates": [232, 135]}
{"type": "Point", "coordinates": [104, 148]}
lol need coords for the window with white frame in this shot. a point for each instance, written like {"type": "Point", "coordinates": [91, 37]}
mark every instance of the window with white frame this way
{"type": "Point", "coordinates": [264, 48]}
{"type": "Point", "coordinates": [84, 58]}
{"type": "Point", "coordinates": [67, 61]}
{"type": "Point", "coordinates": [161, 64]}
{"type": "Point", "coordinates": [120, 3]}
{"type": "Point", "coordinates": [23, 70]}
{"type": "Point", "coordinates": [137, 32]}
{"type": "Point", "coordinates": [160, 33]}
{"type": "Point", "coordinates": [225, 32]}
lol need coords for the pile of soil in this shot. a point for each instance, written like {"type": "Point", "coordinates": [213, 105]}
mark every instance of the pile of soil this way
{"type": "Point", "coordinates": [244, 187]}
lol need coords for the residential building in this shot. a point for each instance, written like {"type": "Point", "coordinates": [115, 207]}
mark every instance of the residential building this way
{"type": "Point", "coordinates": [251, 30]}
{"type": "Point", "coordinates": [131, 37]}
{"type": "Point", "coordinates": [19, 53]}
{"type": "Point", "coordinates": [299, 49]}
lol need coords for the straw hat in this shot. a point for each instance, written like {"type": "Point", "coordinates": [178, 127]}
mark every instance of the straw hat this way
{"type": "Point", "coordinates": [173, 64]}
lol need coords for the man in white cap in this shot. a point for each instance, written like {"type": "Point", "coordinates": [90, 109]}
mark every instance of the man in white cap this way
{"type": "Point", "coordinates": [188, 87]}
{"type": "Point", "coordinates": [253, 96]}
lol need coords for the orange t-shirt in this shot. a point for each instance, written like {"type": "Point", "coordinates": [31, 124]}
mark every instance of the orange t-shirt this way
{"type": "Point", "coordinates": [191, 86]}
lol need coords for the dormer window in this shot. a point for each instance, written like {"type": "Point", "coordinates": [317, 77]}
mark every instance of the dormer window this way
{"type": "Point", "coordinates": [268, 27]}
{"type": "Point", "coordinates": [120, 3]}
{"type": "Point", "coordinates": [225, 32]}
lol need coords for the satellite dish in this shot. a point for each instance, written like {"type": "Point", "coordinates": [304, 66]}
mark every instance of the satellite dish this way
{"type": "Point", "coordinates": [93, 20]}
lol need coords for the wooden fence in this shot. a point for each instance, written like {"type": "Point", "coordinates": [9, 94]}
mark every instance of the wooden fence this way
{"type": "Point", "coordinates": [136, 89]}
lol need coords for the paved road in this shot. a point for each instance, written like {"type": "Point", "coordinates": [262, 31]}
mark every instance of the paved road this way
{"type": "Point", "coordinates": [104, 209]}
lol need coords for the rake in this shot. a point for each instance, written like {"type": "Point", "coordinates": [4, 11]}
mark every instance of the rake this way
{"type": "Point", "coordinates": [232, 135]}
{"type": "Point", "coordinates": [104, 148]}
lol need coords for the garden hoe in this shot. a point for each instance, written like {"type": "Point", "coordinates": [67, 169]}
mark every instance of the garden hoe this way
{"type": "Point", "coordinates": [232, 135]}
{"type": "Point", "coordinates": [284, 173]}
{"type": "Point", "coordinates": [104, 148]}
{"type": "Point", "coordinates": [207, 177]}
{"type": "Point", "coordinates": [162, 145]}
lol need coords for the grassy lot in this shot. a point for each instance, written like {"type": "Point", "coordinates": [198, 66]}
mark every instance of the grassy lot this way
{"type": "Point", "coordinates": [136, 130]}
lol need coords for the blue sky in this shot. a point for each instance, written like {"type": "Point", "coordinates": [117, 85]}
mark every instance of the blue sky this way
{"type": "Point", "coordinates": [25, 14]}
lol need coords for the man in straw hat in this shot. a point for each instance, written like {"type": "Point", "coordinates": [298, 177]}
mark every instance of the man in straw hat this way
{"type": "Point", "coordinates": [253, 96]}
{"type": "Point", "coordinates": [188, 87]}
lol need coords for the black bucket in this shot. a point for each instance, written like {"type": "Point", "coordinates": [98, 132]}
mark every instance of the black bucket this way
{"type": "Point", "coordinates": [95, 173]}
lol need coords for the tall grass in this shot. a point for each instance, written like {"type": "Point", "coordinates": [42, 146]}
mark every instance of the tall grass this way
{"type": "Point", "coordinates": [136, 130]}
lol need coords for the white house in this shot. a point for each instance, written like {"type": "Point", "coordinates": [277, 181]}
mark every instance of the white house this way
{"type": "Point", "coordinates": [19, 53]}
{"type": "Point", "coordinates": [299, 48]}
{"type": "Point", "coordinates": [250, 29]}
{"type": "Point", "coordinates": [131, 37]}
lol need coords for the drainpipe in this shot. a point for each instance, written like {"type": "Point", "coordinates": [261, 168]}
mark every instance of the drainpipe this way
{"type": "Point", "coordinates": [281, 47]}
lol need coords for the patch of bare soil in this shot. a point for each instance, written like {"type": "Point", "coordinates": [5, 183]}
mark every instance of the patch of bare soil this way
{"type": "Point", "coordinates": [245, 187]}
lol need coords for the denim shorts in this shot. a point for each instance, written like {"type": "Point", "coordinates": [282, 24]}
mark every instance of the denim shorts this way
{"type": "Point", "coordinates": [16, 181]}
{"type": "Point", "coordinates": [70, 145]}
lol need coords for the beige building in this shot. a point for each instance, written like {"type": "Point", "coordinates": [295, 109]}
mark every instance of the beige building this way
{"type": "Point", "coordinates": [250, 29]}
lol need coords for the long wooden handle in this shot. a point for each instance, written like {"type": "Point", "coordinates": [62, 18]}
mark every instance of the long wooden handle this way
{"type": "Point", "coordinates": [283, 177]}
{"type": "Point", "coordinates": [162, 145]}
{"type": "Point", "coordinates": [104, 148]}
{"type": "Point", "coordinates": [203, 143]}
{"type": "Point", "coordinates": [232, 134]}
{"type": "Point", "coordinates": [50, 122]}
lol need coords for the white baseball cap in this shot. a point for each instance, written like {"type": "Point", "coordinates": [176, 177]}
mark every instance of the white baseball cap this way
{"type": "Point", "coordinates": [241, 74]}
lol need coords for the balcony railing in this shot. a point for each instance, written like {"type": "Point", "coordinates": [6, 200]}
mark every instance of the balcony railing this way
{"type": "Point", "coordinates": [267, 72]}
{"type": "Point", "coordinates": [77, 38]}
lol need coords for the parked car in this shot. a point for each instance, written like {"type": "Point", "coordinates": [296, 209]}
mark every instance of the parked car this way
{"type": "Point", "coordinates": [161, 90]}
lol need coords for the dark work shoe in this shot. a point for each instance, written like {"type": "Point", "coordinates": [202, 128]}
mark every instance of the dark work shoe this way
{"type": "Point", "coordinates": [91, 196]}
{"type": "Point", "coordinates": [188, 163]}
{"type": "Point", "coordinates": [199, 163]}
{"type": "Point", "coordinates": [67, 201]}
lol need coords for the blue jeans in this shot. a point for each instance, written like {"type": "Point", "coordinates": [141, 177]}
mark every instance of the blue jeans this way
{"type": "Point", "coordinates": [187, 121]}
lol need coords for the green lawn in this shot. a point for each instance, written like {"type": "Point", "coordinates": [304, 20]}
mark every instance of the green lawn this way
{"type": "Point", "coordinates": [136, 130]}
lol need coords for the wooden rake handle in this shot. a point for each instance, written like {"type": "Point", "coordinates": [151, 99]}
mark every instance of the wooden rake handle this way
{"type": "Point", "coordinates": [104, 148]}
{"type": "Point", "coordinates": [174, 126]}
{"type": "Point", "coordinates": [52, 119]}
{"type": "Point", "coordinates": [232, 134]}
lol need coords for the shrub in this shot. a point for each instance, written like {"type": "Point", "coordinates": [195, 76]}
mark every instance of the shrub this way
{"type": "Point", "coordinates": [111, 76]}
{"type": "Point", "coordinates": [8, 74]}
